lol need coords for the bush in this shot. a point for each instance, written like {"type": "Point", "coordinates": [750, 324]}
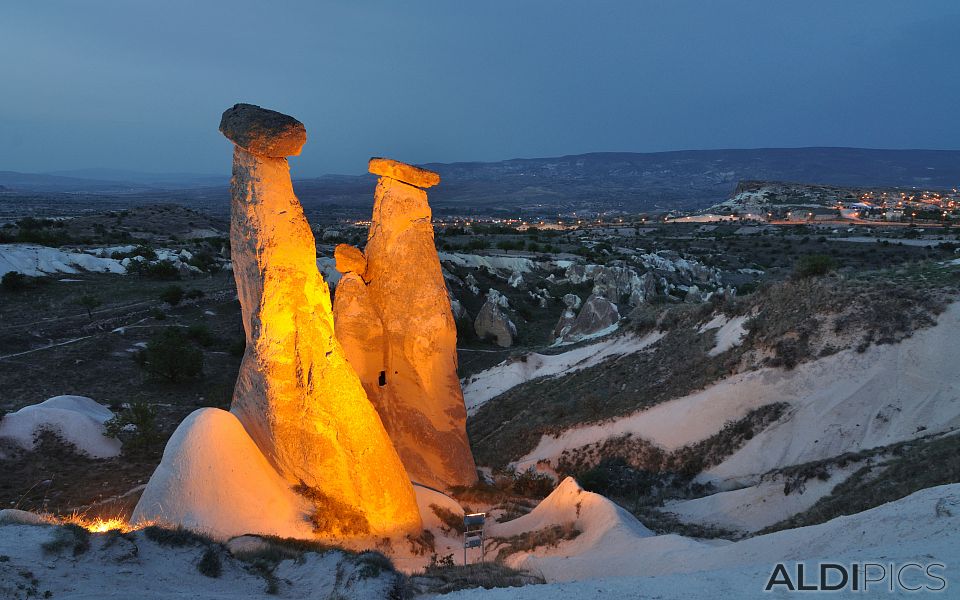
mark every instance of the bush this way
{"type": "Point", "coordinates": [13, 282]}
{"type": "Point", "coordinates": [70, 536]}
{"type": "Point", "coordinates": [172, 295]}
{"type": "Point", "coordinates": [163, 270]}
{"type": "Point", "coordinates": [815, 265]}
{"type": "Point", "coordinates": [88, 302]}
{"type": "Point", "coordinates": [201, 334]}
{"type": "Point", "coordinates": [170, 355]}
{"type": "Point", "coordinates": [209, 564]}
{"type": "Point", "coordinates": [332, 516]}
{"type": "Point", "coordinates": [136, 427]}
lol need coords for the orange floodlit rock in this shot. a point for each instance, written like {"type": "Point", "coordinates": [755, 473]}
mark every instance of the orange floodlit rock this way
{"type": "Point", "coordinates": [296, 395]}
{"type": "Point", "coordinates": [262, 131]}
{"type": "Point", "coordinates": [411, 375]}
{"type": "Point", "coordinates": [350, 259]}
{"type": "Point", "coordinates": [386, 167]}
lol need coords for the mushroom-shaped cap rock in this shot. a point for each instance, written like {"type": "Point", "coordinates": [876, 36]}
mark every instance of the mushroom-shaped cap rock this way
{"type": "Point", "coordinates": [386, 167]}
{"type": "Point", "coordinates": [262, 131]}
{"type": "Point", "coordinates": [350, 259]}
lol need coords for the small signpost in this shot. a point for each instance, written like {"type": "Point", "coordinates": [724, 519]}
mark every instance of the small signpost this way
{"type": "Point", "coordinates": [473, 533]}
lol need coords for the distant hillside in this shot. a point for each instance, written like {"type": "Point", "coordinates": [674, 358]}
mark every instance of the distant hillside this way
{"type": "Point", "coordinates": [633, 181]}
{"type": "Point", "coordinates": [658, 180]}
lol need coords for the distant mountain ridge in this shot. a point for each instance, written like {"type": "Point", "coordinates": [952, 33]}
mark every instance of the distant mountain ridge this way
{"type": "Point", "coordinates": [686, 179]}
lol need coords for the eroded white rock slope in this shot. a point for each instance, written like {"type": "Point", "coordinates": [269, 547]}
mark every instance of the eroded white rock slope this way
{"type": "Point", "coordinates": [845, 402]}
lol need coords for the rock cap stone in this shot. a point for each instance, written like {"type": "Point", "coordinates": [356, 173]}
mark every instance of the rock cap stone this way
{"type": "Point", "coordinates": [387, 167]}
{"type": "Point", "coordinates": [262, 131]}
{"type": "Point", "coordinates": [350, 259]}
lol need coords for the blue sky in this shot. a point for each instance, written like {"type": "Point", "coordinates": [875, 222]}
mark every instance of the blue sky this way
{"type": "Point", "coordinates": [141, 85]}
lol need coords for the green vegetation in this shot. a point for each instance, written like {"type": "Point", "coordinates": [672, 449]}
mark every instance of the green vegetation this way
{"type": "Point", "coordinates": [13, 281]}
{"type": "Point", "coordinates": [210, 564]}
{"type": "Point", "coordinates": [815, 265]}
{"type": "Point", "coordinates": [172, 295]}
{"type": "Point", "coordinates": [913, 466]}
{"type": "Point", "coordinates": [170, 355]}
{"type": "Point", "coordinates": [331, 516]}
{"type": "Point", "coordinates": [88, 302]}
{"type": "Point", "coordinates": [136, 426]}
{"type": "Point", "coordinates": [69, 536]}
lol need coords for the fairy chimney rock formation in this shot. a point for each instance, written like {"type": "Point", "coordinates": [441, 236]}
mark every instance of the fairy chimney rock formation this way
{"type": "Point", "coordinates": [296, 394]}
{"type": "Point", "coordinates": [410, 374]}
{"type": "Point", "coordinates": [386, 167]}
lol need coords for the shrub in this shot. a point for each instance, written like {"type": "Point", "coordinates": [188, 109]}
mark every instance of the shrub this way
{"type": "Point", "coordinates": [170, 355]}
{"type": "Point", "coordinates": [172, 295]}
{"type": "Point", "coordinates": [209, 564]}
{"type": "Point", "coordinates": [13, 282]}
{"type": "Point", "coordinates": [452, 522]}
{"type": "Point", "coordinates": [176, 537]}
{"type": "Point", "coordinates": [136, 427]}
{"type": "Point", "coordinates": [332, 516]}
{"type": "Point", "coordinates": [532, 484]}
{"type": "Point", "coordinates": [163, 270]}
{"type": "Point", "coordinates": [524, 542]}
{"type": "Point", "coordinates": [70, 536]}
{"type": "Point", "coordinates": [201, 334]}
{"type": "Point", "coordinates": [88, 302]}
{"type": "Point", "coordinates": [815, 265]}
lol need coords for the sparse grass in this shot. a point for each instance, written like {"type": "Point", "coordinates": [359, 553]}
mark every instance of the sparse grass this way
{"type": "Point", "coordinates": [176, 537]}
{"type": "Point", "coordinates": [452, 522]}
{"type": "Point", "coordinates": [330, 516]}
{"type": "Point", "coordinates": [685, 462]}
{"type": "Point", "coordinates": [69, 536]}
{"type": "Point", "coordinates": [450, 578]}
{"type": "Point", "coordinates": [210, 564]}
{"type": "Point", "coordinates": [524, 542]}
{"type": "Point", "coordinates": [914, 466]}
{"type": "Point", "coordinates": [663, 523]}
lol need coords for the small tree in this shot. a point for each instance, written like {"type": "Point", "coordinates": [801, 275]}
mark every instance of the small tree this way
{"type": "Point", "coordinates": [136, 427]}
{"type": "Point", "coordinates": [814, 265]}
{"type": "Point", "coordinates": [172, 295]}
{"type": "Point", "coordinates": [13, 281]}
{"type": "Point", "coordinates": [170, 355]}
{"type": "Point", "coordinates": [89, 302]}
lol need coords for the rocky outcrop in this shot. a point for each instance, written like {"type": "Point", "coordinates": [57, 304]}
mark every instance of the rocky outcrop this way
{"type": "Point", "coordinates": [296, 395]}
{"type": "Point", "coordinates": [663, 272]}
{"type": "Point", "coordinates": [596, 316]}
{"type": "Point", "coordinates": [263, 132]}
{"type": "Point", "coordinates": [493, 323]}
{"type": "Point", "coordinates": [395, 322]}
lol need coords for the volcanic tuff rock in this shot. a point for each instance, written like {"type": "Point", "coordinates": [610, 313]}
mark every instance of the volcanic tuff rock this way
{"type": "Point", "coordinates": [596, 315]}
{"type": "Point", "coordinates": [386, 167]}
{"type": "Point", "coordinates": [350, 259]}
{"type": "Point", "coordinates": [493, 323]}
{"type": "Point", "coordinates": [398, 331]}
{"type": "Point", "coordinates": [262, 131]}
{"type": "Point", "coordinates": [296, 395]}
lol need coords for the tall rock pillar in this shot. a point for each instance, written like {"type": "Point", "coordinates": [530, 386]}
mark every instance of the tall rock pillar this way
{"type": "Point", "coordinates": [412, 376]}
{"type": "Point", "coordinates": [296, 395]}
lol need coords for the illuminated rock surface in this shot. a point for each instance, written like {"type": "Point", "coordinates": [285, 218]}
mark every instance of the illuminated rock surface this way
{"type": "Point", "coordinates": [350, 259]}
{"type": "Point", "coordinates": [399, 171]}
{"type": "Point", "coordinates": [263, 132]}
{"type": "Point", "coordinates": [411, 375]}
{"type": "Point", "coordinates": [214, 478]}
{"type": "Point", "coordinates": [296, 395]}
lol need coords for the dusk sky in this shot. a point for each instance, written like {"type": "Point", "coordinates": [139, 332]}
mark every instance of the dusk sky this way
{"type": "Point", "coordinates": [141, 85]}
